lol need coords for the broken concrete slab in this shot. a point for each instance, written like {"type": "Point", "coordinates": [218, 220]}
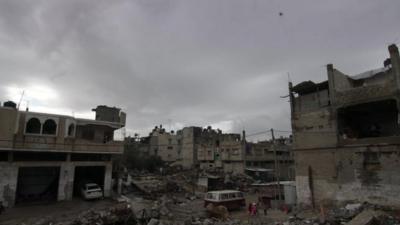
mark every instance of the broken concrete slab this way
{"type": "Point", "coordinates": [366, 217]}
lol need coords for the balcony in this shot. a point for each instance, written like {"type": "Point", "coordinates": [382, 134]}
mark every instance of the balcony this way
{"type": "Point", "coordinates": [54, 144]}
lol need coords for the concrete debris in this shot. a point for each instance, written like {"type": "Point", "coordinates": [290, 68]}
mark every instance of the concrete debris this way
{"type": "Point", "coordinates": [353, 207]}
{"type": "Point", "coordinates": [351, 214]}
{"type": "Point", "coordinates": [150, 185]}
{"type": "Point", "coordinates": [219, 212]}
{"type": "Point", "coordinates": [367, 217]}
{"type": "Point", "coordinates": [153, 222]}
{"type": "Point", "coordinates": [115, 215]}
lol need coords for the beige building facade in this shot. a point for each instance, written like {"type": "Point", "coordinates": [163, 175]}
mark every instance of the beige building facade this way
{"type": "Point", "coordinates": [47, 157]}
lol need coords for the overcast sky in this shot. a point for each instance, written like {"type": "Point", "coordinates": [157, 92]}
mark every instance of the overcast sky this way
{"type": "Point", "coordinates": [180, 63]}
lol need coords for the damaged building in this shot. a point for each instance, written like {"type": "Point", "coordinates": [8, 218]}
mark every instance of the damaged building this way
{"type": "Point", "coordinates": [219, 151]}
{"type": "Point", "coordinates": [211, 149]}
{"type": "Point", "coordinates": [164, 144]}
{"type": "Point", "coordinates": [195, 147]}
{"type": "Point", "coordinates": [346, 136]}
{"type": "Point", "coordinates": [267, 159]}
{"type": "Point", "coordinates": [47, 157]}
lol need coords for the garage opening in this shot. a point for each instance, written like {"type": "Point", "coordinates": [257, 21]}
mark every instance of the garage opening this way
{"type": "Point", "coordinates": [88, 174]}
{"type": "Point", "coordinates": [37, 184]}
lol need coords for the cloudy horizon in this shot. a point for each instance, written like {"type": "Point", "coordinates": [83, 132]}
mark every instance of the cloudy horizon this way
{"type": "Point", "coordinates": [179, 63]}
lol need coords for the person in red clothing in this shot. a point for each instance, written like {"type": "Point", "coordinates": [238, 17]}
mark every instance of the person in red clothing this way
{"type": "Point", "coordinates": [253, 209]}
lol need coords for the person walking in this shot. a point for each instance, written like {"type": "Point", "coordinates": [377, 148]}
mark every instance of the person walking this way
{"type": "Point", "coordinates": [253, 209]}
{"type": "Point", "coordinates": [262, 205]}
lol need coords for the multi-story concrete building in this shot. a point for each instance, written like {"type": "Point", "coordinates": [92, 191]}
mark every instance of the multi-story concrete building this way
{"type": "Point", "coordinates": [195, 147]}
{"type": "Point", "coordinates": [47, 157]}
{"type": "Point", "coordinates": [220, 151]}
{"type": "Point", "coordinates": [346, 135]}
{"type": "Point", "coordinates": [271, 158]}
{"type": "Point", "coordinates": [165, 144]}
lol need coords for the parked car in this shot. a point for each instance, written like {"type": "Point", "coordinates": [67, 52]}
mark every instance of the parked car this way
{"type": "Point", "coordinates": [231, 199]}
{"type": "Point", "coordinates": [91, 191]}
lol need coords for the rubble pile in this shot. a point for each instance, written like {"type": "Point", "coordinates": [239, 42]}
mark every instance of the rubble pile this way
{"type": "Point", "coordinates": [151, 185]}
{"type": "Point", "coordinates": [120, 214]}
{"type": "Point", "coordinates": [351, 214]}
{"type": "Point", "coordinates": [240, 181]}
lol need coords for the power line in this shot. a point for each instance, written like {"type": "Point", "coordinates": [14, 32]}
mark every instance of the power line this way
{"type": "Point", "coordinates": [258, 133]}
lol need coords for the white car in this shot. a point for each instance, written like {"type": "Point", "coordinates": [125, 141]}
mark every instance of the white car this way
{"type": "Point", "coordinates": [91, 191]}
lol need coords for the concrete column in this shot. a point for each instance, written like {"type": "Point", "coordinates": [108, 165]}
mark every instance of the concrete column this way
{"type": "Point", "coordinates": [66, 181]}
{"type": "Point", "coordinates": [395, 61]}
{"type": "Point", "coordinates": [108, 180]}
{"type": "Point", "coordinates": [331, 83]}
{"type": "Point", "coordinates": [8, 183]}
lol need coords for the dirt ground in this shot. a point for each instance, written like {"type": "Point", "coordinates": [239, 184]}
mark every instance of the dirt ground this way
{"type": "Point", "coordinates": [273, 215]}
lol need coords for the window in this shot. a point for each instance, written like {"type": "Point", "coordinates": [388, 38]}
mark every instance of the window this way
{"type": "Point", "coordinates": [170, 147]}
{"type": "Point", "coordinates": [33, 126]}
{"type": "Point", "coordinates": [212, 196]}
{"type": "Point", "coordinates": [71, 130]}
{"type": "Point", "coordinates": [169, 141]}
{"type": "Point", "coordinates": [49, 127]}
{"type": "Point", "coordinates": [224, 196]}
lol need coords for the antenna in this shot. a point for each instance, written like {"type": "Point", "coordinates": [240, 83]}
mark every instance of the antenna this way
{"type": "Point", "coordinates": [170, 124]}
{"type": "Point", "coordinates": [22, 95]}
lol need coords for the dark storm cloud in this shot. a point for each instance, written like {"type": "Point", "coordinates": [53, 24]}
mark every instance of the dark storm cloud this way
{"type": "Point", "coordinates": [181, 62]}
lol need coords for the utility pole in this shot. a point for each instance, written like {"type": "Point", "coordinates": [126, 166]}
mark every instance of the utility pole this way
{"type": "Point", "coordinates": [277, 173]}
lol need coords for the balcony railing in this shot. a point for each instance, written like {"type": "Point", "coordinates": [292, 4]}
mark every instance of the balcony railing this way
{"type": "Point", "coordinates": [54, 144]}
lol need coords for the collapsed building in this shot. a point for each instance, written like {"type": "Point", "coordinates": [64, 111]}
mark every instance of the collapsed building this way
{"type": "Point", "coordinates": [47, 157]}
{"type": "Point", "coordinates": [346, 136]}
